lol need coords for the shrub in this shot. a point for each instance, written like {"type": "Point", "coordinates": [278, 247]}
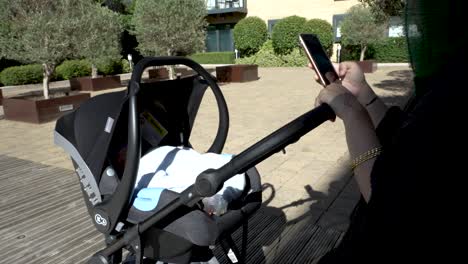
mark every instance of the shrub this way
{"type": "Point", "coordinates": [286, 32]}
{"type": "Point", "coordinates": [249, 35]}
{"type": "Point", "coordinates": [73, 68]}
{"type": "Point", "coordinates": [25, 74]}
{"type": "Point", "coordinates": [246, 60]}
{"type": "Point", "coordinates": [392, 50]}
{"type": "Point", "coordinates": [109, 66]}
{"type": "Point", "coordinates": [214, 57]}
{"type": "Point", "coordinates": [389, 50]}
{"type": "Point", "coordinates": [296, 58]}
{"type": "Point", "coordinates": [266, 57]}
{"type": "Point", "coordinates": [125, 66]}
{"type": "Point", "coordinates": [324, 32]}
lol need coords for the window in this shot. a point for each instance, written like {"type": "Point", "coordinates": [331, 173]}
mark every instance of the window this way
{"type": "Point", "coordinates": [337, 19]}
{"type": "Point", "coordinates": [219, 38]}
{"type": "Point", "coordinates": [395, 27]}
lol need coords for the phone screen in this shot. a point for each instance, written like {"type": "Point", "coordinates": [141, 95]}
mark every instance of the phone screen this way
{"type": "Point", "coordinates": [319, 58]}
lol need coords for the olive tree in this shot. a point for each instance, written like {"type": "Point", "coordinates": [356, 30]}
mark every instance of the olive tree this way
{"type": "Point", "coordinates": [103, 29]}
{"type": "Point", "coordinates": [170, 27]}
{"type": "Point", "coordinates": [50, 31]}
{"type": "Point", "coordinates": [360, 28]}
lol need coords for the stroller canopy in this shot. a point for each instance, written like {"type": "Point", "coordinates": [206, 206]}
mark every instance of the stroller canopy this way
{"type": "Point", "coordinates": [100, 124]}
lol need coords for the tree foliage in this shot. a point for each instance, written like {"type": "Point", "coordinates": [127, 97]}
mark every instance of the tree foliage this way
{"type": "Point", "coordinates": [360, 28]}
{"type": "Point", "coordinates": [50, 31]}
{"type": "Point", "coordinates": [102, 30]}
{"type": "Point", "coordinates": [383, 9]}
{"type": "Point", "coordinates": [170, 27]}
{"type": "Point", "coordinates": [286, 32]}
{"type": "Point", "coordinates": [249, 35]}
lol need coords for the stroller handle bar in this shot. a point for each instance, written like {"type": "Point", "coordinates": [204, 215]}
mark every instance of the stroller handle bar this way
{"type": "Point", "coordinates": [211, 181]}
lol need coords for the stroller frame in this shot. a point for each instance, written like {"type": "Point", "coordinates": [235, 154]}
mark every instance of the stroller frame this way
{"type": "Point", "coordinates": [207, 184]}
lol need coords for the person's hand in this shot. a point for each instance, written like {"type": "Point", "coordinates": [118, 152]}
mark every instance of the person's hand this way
{"type": "Point", "coordinates": [353, 79]}
{"type": "Point", "coordinates": [340, 99]}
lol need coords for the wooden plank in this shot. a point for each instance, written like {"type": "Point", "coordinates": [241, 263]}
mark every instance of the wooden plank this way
{"type": "Point", "coordinates": [43, 216]}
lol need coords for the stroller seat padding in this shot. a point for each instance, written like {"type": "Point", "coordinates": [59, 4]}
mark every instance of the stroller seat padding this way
{"type": "Point", "coordinates": [192, 225]}
{"type": "Point", "coordinates": [175, 169]}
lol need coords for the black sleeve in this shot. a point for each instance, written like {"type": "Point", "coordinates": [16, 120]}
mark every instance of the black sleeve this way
{"type": "Point", "coordinates": [415, 175]}
{"type": "Point", "coordinates": [389, 125]}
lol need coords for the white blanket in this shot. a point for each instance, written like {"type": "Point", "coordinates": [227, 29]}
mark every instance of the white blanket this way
{"type": "Point", "coordinates": [177, 168]}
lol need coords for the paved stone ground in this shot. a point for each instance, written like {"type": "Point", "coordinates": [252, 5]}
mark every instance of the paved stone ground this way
{"type": "Point", "coordinates": [311, 183]}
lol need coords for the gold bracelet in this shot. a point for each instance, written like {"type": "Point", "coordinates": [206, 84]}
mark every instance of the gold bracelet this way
{"type": "Point", "coordinates": [366, 156]}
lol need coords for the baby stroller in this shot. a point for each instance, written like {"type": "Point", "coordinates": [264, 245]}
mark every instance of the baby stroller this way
{"type": "Point", "coordinates": [106, 131]}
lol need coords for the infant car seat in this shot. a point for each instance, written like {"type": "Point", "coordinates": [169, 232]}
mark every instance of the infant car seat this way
{"type": "Point", "coordinates": [107, 135]}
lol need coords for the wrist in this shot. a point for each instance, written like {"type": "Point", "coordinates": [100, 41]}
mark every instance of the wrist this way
{"type": "Point", "coordinates": [366, 95]}
{"type": "Point", "coordinates": [354, 113]}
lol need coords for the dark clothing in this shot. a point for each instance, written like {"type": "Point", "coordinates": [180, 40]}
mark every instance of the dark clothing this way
{"type": "Point", "coordinates": [415, 209]}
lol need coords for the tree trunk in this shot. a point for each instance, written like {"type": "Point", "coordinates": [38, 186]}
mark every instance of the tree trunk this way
{"type": "Point", "coordinates": [171, 67]}
{"type": "Point", "coordinates": [363, 52]}
{"type": "Point", "coordinates": [47, 70]}
{"type": "Point", "coordinates": [94, 71]}
{"type": "Point", "coordinates": [45, 86]}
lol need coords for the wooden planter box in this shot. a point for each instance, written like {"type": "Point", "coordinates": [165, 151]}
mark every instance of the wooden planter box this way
{"type": "Point", "coordinates": [95, 84]}
{"type": "Point", "coordinates": [184, 72]}
{"type": "Point", "coordinates": [368, 66]}
{"type": "Point", "coordinates": [237, 73]}
{"type": "Point", "coordinates": [158, 74]}
{"type": "Point", "coordinates": [41, 110]}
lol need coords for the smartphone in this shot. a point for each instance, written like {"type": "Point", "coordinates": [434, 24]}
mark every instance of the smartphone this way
{"type": "Point", "coordinates": [319, 59]}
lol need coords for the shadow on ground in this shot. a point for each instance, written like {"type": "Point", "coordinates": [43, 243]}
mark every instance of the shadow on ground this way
{"type": "Point", "coordinates": [397, 88]}
{"type": "Point", "coordinates": [304, 239]}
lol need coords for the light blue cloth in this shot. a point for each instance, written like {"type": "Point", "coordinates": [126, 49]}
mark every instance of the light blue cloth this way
{"type": "Point", "coordinates": [147, 199]}
{"type": "Point", "coordinates": [179, 171]}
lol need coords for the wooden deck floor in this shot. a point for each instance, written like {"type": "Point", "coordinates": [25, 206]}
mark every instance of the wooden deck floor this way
{"type": "Point", "coordinates": [44, 220]}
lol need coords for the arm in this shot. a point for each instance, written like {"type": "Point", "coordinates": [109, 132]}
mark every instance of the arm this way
{"type": "Point", "coordinates": [360, 132]}
{"type": "Point", "coordinates": [373, 104]}
{"type": "Point", "coordinates": [354, 80]}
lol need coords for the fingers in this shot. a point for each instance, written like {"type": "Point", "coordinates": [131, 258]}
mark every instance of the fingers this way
{"type": "Point", "coordinates": [346, 66]}
{"type": "Point", "coordinates": [337, 67]}
{"type": "Point", "coordinates": [317, 102]}
{"type": "Point", "coordinates": [317, 79]}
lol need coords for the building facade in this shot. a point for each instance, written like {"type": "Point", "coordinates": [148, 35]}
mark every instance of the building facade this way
{"type": "Point", "coordinates": [224, 14]}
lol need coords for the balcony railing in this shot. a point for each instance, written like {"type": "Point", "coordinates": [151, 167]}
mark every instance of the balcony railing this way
{"type": "Point", "coordinates": [226, 6]}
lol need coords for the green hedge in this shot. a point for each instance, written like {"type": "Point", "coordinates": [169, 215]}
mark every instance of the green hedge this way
{"type": "Point", "coordinates": [73, 69]}
{"type": "Point", "coordinates": [214, 57]}
{"type": "Point", "coordinates": [286, 32]}
{"type": "Point", "coordinates": [109, 66]}
{"type": "Point", "coordinates": [390, 50]}
{"type": "Point", "coordinates": [125, 66]}
{"type": "Point", "coordinates": [25, 74]}
{"type": "Point", "coordinates": [267, 57]}
{"type": "Point", "coordinates": [249, 35]}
